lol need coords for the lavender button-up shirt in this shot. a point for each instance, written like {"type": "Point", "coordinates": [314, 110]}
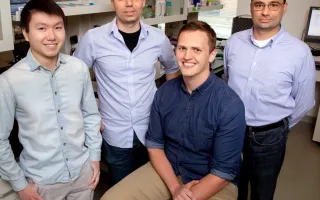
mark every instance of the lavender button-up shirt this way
{"type": "Point", "coordinates": [126, 80]}
{"type": "Point", "coordinates": [275, 81]}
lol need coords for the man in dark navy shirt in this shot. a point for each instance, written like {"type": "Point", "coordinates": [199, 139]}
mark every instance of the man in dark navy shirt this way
{"type": "Point", "coordinates": [195, 134]}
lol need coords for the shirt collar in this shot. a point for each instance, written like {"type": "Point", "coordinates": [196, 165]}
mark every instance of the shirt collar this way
{"type": "Point", "coordinates": [34, 64]}
{"type": "Point", "coordinates": [113, 29]}
{"type": "Point", "coordinates": [203, 87]}
{"type": "Point", "coordinates": [273, 40]}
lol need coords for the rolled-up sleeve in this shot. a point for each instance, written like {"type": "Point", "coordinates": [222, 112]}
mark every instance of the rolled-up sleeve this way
{"type": "Point", "coordinates": [9, 169]}
{"type": "Point", "coordinates": [167, 57]}
{"type": "Point", "coordinates": [154, 135]}
{"type": "Point", "coordinates": [228, 142]}
{"type": "Point", "coordinates": [92, 119]}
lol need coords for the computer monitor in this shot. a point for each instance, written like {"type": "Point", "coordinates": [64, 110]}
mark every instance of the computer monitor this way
{"type": "Point", "coordinates": [313, 27]}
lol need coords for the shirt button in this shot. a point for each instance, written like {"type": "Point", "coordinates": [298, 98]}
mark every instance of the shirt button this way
{"type": "Point", "coordinates": [66, 159]}
{"type": "Point", "coordinates": [64, 144]}
{"type": "Point", "coordinates": [254, 63]}
{"type": "Point", "coordinates": [61, 128]}
{"type": "Point", "coordinates": [58, 111]}
{"type": "Point", "coordinates": [250, 79]}
{"type": "Point", "coordinates": [55, 93]}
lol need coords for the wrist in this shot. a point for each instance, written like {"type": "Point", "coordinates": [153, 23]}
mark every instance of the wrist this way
{"type": "Point", "coordinates": [174, 188]}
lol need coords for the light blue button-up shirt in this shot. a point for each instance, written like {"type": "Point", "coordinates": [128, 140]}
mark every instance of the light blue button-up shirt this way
{"type": "Point", "coordinates": [58, 121]}
{"type": "Point", "coordinates": [125, 79]}
{"type": "Point", "coordinates": [275, 81]}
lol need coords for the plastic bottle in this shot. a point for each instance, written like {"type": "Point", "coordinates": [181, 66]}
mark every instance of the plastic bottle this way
{"type": "Point", "coordinates": [168, 8]}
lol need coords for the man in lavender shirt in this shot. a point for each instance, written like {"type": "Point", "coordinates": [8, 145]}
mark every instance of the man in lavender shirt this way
{"type": "Point", "coordinates": [123, 54]}
{"type": "Point", "coordinates": [274, 75]}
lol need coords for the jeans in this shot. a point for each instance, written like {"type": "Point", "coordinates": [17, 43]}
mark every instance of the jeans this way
{"type": "Point", "coordinates": [263, 155]}
{"type": "Point", "coordinates": [123, 161]}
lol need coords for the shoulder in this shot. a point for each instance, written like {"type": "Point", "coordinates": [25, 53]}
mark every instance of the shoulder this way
{"type": "Point", "coordinates": [226, 97]}
{"type": "Point", "coordinates": [293, 44]}
{"type": "Point", "coordinates": [167, 89]}
{"type": "Point", "coordinates": [242, 35]}
{"type": "Point", "coordinates": [74, 62]}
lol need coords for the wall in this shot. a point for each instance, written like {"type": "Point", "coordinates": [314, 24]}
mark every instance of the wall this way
{"type": "Point", "coordinates": [294, 22]}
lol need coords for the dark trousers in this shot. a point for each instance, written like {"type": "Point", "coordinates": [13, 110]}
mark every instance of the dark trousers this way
{"type": "Point", "coordinates": [263, 155]}
{"type": "Point", "coordinates": [123, 161]}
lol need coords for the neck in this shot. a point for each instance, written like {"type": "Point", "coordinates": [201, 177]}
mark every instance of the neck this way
{"type": "Point", "coordinates": [128, 27]}
{"type": "Point", "coordinates": [264, 34]}
{"type": "Point", "coordinates": [49, 62]}
{"type": "Point", "coordinates": [193, 82]}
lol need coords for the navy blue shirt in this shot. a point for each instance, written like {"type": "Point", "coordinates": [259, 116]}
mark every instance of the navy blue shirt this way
{"type": "Point", "coordinates": [200, 133]}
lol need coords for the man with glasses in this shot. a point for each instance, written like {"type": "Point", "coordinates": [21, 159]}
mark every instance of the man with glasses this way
{"type": "Point", "coordinates": [274, 75]}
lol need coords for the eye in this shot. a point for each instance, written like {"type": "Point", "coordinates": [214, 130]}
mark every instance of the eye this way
{"type": "Point", "coordinates": [181, 48]}
{"type": "Point", "coordinates": [41, 28]}
{"type": "Point", "coordinates": [59, 27]}
{"type": "Point", "coordinates": [274, 5]}
{"type": "Point", "coordinates": [196, 50]}
{"type": "Point", "coordinates": [259, 5]}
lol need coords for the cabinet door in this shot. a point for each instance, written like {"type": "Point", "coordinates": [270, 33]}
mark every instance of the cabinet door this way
{"type": "Point", "coordinates": [165, 11]}
{"type": "Point", "coordinates": [6, 35]}
{"type": "Point", "coordinates": [174, 10]}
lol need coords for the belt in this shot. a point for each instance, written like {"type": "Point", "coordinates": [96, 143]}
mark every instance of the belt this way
{"type": "Point", "coordinates": [265, 127]}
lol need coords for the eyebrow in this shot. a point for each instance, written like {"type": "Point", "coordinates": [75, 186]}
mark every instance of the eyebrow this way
{"type": "Point", "coordinates": [196, 47]}
{"type": "Point", "coordinates": [44, 24]}
{"type": "Point", "coordinates": [269, 2]}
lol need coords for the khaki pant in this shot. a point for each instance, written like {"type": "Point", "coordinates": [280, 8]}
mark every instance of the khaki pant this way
{"type": "Point", "coordinates": [146, 184]}
{"type": "Point", "coordinates": [76, 190]}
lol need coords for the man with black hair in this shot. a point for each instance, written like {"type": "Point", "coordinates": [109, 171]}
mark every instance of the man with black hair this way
{"type": "Point", "coordinates": [123, 54]}
{"type": "Point", "coordinates": [50, 95]}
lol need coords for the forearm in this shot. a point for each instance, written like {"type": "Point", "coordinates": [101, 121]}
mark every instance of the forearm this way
{"type": "Point", "coordinates": [172, 76]}
{"type": "Point", "coordinates": [10, 170]}
{"type": "Point", "coordinates": [208, 187]}
{"type": "Point", "coordinates": [163, 167]}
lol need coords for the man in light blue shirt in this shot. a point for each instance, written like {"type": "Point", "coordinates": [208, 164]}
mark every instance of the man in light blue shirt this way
{"type": "Point", "coordinates": [274, 75]}
{"type": "Point", "coordinates": [51, 97]}
{"type": "Point", "coordinates": [123, 54]}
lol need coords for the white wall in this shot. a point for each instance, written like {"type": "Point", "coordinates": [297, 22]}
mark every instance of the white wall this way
{"type": "Point", "coordinates": [294, 20]}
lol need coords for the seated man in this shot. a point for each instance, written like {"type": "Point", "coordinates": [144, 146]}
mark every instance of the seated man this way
{"type": "Point", "coordinates": [195, 134]}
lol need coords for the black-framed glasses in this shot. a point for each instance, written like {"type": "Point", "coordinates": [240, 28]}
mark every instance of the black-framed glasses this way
{"type": "Point", "coordinates": [272, 6]}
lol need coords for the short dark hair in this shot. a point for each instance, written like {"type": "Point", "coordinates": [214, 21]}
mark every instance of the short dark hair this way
{"type": "Point", "coordinates": [46, 6]}
{"type": "Point", "coordinates": [204, 27]}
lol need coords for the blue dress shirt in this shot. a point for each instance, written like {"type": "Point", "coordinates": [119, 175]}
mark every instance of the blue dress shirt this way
{"type": "Point", "coordinates": [126, 80]}
{"type": "Point", "coordinates": [58, 121]}
{"type": "Point", "coordinates": [200, 133]}
{"type": "Point", "coordinates": [275, 81]}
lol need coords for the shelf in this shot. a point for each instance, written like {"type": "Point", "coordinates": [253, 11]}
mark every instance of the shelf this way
{"type": "Point", "coordinates": [204, 8]}
{"type": "Point", "coordinates": [86, 10]}
{"type": "Point", "coordinates": [81, 10]}
{"type": "Point", "coordinates": [164, 19]}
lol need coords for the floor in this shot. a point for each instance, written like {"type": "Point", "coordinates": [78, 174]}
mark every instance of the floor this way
{"type": "Point", "coordinates": [300, 175]}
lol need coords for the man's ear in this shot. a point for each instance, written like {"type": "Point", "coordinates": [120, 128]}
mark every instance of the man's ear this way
{"type": "Point", "coordinates": [212, 55]}
{"type": "Point", "coordinates": [112, 3]}
{"type": "Point", "coordinates": [25, 34]}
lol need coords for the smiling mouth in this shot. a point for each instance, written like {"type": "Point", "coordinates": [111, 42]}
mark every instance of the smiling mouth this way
{"type": "Point", "coordinates": [51, 45]}
{"type": "Point", "coordinates": [188, 65]}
